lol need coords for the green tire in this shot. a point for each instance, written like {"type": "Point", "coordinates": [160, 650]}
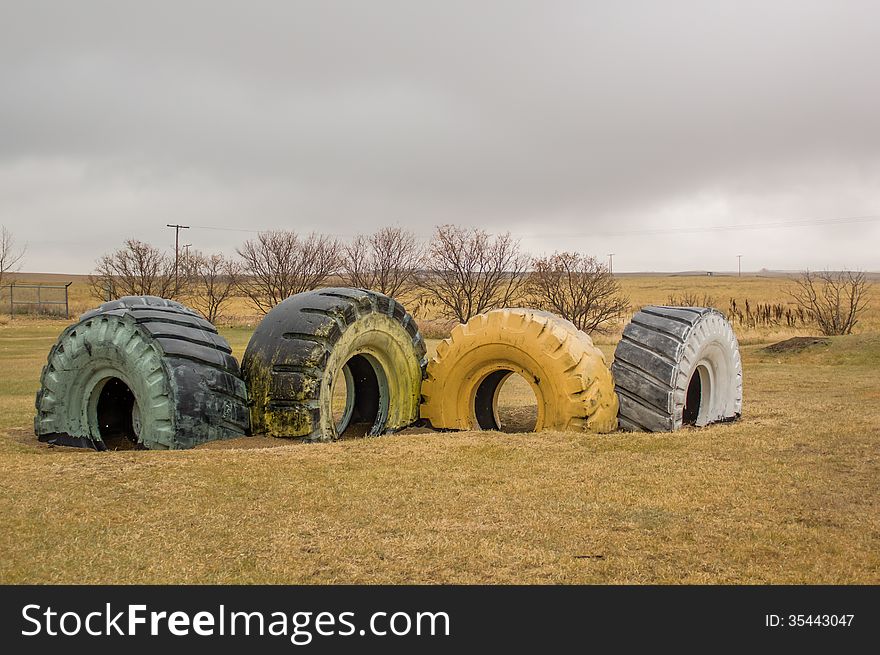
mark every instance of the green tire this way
{"type": "Point", "coordinates": [140, 372]}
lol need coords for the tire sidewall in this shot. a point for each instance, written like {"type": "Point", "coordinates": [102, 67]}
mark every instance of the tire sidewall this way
{"type": "Point", "coordinates": [91, 368]}
{"type": "Point", "coordinates": [387, 344]}
{"type": "Point", "coordinates": [567, 373]}
{"type": "Point", "coordinates": [719, 368]}
{"type": "Point", "coordinates": [475, 365]}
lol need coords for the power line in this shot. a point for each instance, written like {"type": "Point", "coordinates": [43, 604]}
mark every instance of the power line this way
{"type": "Point", "coordinates": [270, 229]}
{"type": "Point", "coordinates": [635, 232]}
{"type": "Point", "coordinates": [722, 228]}
{"type": "Point", "coordinates": [226, 229]}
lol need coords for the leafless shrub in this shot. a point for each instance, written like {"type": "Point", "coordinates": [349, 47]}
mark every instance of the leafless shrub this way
{"type": "Point", "coordinates": [690, 299]}
{"type": "Point", "coordinates": [385, 261]}
{"type": "Point", "coordinates": [136, 269]}
{"type": "Point", "coordinates": [278, 264]}
{"type": "Point", "coordinates": [769, 314]}
{"type": "Point", "coordinates": [469, 271]}
{"type": "Point", "coordinates": [833, 300]}
{"type": "Point", "coordinates": [213, 281]}
{"type": "Point", "coordinates": [10, 254]}
{"type": "Point", "coordinates": [578, 288]}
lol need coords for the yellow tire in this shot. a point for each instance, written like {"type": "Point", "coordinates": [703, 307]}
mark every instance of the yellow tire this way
{"type": "Point", "coordinates": [568, 374]}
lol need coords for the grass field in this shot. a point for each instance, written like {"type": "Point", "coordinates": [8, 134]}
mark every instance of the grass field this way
{"type": "Point", "coordinates": [788, 494]}
{"type": "Point", "coordinates": [640, 289]}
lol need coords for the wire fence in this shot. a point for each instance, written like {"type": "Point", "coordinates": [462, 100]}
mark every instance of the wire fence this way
{"type": "Point", "coordinates": [36, 299]}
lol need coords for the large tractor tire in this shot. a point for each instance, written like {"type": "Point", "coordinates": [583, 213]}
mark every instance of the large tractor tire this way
{"type": "Point", "coordinates": [314, 345]}
{"type": "Point", "coordinates": [568, 374]}
{"type": "Point", "coordinates": [142, 372]}
{"type": "Point", "coordinates": [677, 366]}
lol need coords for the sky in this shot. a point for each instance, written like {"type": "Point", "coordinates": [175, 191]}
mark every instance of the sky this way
{"type": "Point", "coordinates": [676, 135]}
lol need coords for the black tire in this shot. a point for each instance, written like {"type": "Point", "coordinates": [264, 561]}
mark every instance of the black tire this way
{"type": "Point", "coordinates": [677, 366]}
{"type": "Point", "coordinates": [142, 372]}
{"type": "Point", "coordinates": [302, 346]}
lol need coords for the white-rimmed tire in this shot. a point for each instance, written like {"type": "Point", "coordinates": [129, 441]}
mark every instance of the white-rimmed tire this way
{"type": "Point", "coordinates": [677, 366]}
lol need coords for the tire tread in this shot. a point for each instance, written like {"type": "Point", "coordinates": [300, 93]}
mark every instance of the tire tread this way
{"type": "Point", "coordinates": [211, 399]}
{"type": "Point", "coordinates": [656, 345]}
{"type": "Point", "coordinates": [315, 320]}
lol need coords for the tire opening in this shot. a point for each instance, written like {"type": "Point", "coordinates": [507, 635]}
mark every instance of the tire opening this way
{"type": "Point", "coordinates": [506, 402]}
{"type": "Point", "coordinates": [359, 398]}
{"type": "Point", "coordinates": [694, 396]}
{"type": "Point", "coordinates": [118, 416]}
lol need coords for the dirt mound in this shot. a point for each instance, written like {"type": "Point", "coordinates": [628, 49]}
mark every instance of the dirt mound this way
{"type": "Point", "coordinates": [796, 345]}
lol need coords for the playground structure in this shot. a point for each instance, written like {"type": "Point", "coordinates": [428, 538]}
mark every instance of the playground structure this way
{"type": "Point", "coordinates": [144, 372]}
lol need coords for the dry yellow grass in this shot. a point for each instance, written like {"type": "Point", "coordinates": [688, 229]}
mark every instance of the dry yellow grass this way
{"type": "Point", "coordinates": [788, 494]}
{"type": "Point", "coordinates": [640, 289]}
{"type": "Point", "coordinates": [650, 289]}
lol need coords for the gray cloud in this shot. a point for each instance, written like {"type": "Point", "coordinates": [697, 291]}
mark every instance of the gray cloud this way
{"type": "Point", "coordinates": [567, 123]}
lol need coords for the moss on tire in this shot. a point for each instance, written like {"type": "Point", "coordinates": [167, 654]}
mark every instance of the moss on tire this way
{"type": "Point", "coordinates": [568, 374]}
{"type": "Point", "coordinates": [311, 341]}
{"type": "Point", "coordinates": [143, 372]}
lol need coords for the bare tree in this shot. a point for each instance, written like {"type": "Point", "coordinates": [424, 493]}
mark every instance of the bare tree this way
{"type": "Point", "coordinates": [10, 254]}
{"type": "Point", "coordinates": [213, 281]}
{"type": "Point", "coordinates": [690, 299]}
{"type": "Point", "coordinates": [468, 271]}
{"type": "Point", "coordinates": [278, 264]}
{"type": "Point", "coordinates": [833, 300]}
{"type": "Point", "coordinates": [136, 269]}
{"type": "Point", "coordinates": [385, 261]}
{"type": "Point", "coordinates": [578, 288]}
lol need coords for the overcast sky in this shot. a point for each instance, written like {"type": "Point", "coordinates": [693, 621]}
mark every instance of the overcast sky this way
{"type": "Point", "coordinates": [636, 128]}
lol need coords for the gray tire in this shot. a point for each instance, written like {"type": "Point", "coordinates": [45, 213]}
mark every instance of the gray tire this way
{"type": "Point", "coordinates": [314, 341]}
{"type": "Point", "coordinates": [142, 372]}
{"type": "Point", "coordinates": [677, 366]}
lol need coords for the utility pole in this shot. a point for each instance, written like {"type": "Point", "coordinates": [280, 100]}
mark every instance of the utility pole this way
{"type": "Point", "coordinates": [739, 268]}
{"type": "Point", "coordinates": [186, 262]}
{"type": "Point", "coordinates": [177, 229]}
{"type": "Point", "coordinates": [611, 262]}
